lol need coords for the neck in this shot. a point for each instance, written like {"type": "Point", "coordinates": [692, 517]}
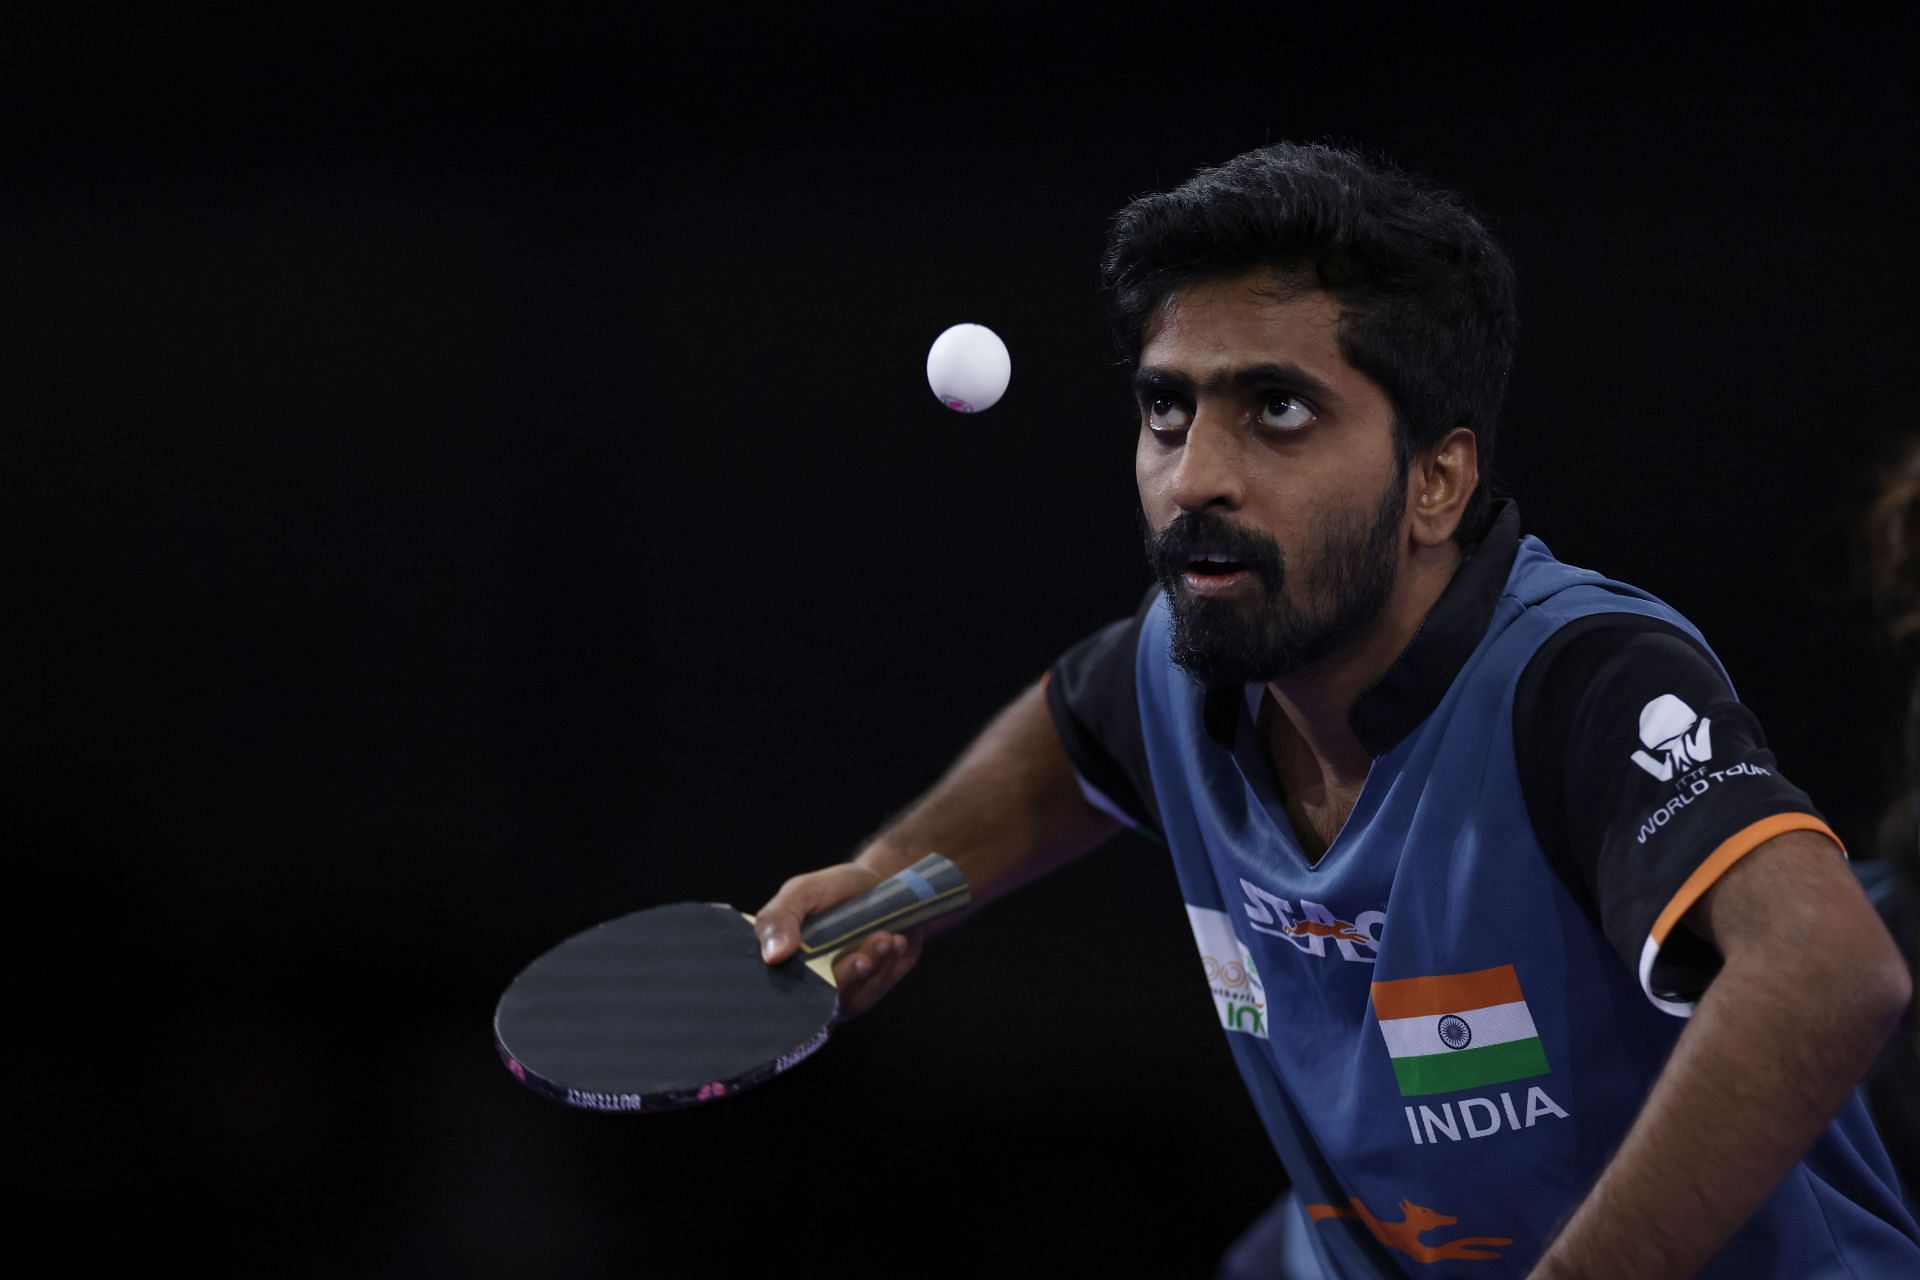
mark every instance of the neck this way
{"type": "Point", "coordinates": [1317, 702]}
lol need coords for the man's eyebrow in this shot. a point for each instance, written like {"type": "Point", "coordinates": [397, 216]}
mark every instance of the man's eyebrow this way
{"type": "Point", "coordinates": [1280, 374]}
{"type": "Point", "coordinates": [1149, 379]}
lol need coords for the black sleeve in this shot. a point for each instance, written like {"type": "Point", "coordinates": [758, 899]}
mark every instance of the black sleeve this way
{"type": "Point", "coordinates": [1092, 697]}
{"type": "Point", "coordinates": [1645, 780]}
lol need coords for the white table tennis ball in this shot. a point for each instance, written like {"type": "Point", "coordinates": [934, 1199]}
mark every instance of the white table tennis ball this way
{"type": "Point", "coordinates": [968, 368]}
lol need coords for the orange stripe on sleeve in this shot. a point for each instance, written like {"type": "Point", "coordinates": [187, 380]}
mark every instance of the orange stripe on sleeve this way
{"type": "Point", "coordinates": [1446, 993]}
{"type": "Point", "coordinates": [1731, 850]}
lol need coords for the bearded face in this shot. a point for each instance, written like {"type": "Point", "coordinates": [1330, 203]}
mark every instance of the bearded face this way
{"type": "Point", "coordinates": [1245, 613]}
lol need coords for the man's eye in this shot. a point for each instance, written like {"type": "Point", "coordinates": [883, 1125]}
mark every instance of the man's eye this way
{"type": "Point", "coordinates": [1164, 415]}
{"type": "Point", "coordinates": [1285, 413]}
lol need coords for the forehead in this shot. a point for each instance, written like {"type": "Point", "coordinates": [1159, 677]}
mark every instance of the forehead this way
{"type": "Point", "coordinates": [1217, 326]}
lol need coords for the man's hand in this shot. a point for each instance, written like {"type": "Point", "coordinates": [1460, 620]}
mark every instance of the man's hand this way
{"type": "Point", "coordinates": [1008, 810]}
{"type": "Point", "coordinates": [864, 973]}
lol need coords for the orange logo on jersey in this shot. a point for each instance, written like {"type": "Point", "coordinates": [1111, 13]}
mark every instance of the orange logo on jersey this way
{"type": "Point", "coordinates": [1338, 930]}
{"type": "Point", "coordinates": [1416, 1221]}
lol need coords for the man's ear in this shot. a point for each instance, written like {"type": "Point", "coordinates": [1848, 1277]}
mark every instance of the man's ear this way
{"type": "Point", "coordinates": [1439, 482]}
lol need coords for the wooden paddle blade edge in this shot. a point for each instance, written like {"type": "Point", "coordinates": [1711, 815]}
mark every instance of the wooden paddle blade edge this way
{"type": "Point", "coordinates": [658, 1100]}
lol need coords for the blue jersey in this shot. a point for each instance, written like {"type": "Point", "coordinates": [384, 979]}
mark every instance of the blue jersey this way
{"type": "Point", "coordinates": [1434, 1019]}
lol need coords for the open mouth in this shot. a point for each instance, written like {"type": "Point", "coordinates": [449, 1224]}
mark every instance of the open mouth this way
{"type": "Point", "coordinates": [1213, 574]}
{"type": "Point", "coordinates": [1214, 566]}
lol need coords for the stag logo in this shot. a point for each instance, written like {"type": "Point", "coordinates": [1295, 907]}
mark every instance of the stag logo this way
{"type": "Point", "coordinates": [1680, 740]}
{"type": "Point", "coordinates": [1416, 1220]}
{"type": "Point", "coordinates": [1309, 926]}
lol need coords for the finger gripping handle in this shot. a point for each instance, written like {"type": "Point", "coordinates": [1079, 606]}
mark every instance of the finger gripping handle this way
{"type": "Point", "coordinates": [930, 888]}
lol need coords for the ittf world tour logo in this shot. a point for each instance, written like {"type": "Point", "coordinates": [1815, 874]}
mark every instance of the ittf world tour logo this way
{"type": "Point", "coordinates": [1683, 740]}
{"type": "Point", "coordinates": [1684, 743]}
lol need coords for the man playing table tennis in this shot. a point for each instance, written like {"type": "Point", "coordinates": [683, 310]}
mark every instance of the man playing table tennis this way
{"type": "Point", "coordinates": [1531, 960]}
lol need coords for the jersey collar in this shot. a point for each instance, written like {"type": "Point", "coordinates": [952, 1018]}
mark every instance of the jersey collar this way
{"type": "Point", "coordinates": [1412, 687]}
{"type": "Point", "coordinates": [1395, 704]}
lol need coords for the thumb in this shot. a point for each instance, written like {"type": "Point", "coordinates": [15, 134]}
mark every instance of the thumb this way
{"type": "Point", "coordinates": [778, 922]}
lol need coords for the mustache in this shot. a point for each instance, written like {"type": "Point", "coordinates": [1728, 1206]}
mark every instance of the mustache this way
{"type": "Point", "coordinates": [1198, 533]}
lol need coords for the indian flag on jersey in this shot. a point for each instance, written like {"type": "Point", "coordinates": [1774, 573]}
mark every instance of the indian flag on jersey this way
{"type": "Point", "coordinates": [1458, 1031]}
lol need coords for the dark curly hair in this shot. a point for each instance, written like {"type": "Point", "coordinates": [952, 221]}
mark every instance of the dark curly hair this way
{"type": "Point", "coordinates": [1426, 294]}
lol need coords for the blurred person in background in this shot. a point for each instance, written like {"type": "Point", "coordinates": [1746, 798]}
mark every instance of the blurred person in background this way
{"type": "Point", "coordinates": [1892, 542]}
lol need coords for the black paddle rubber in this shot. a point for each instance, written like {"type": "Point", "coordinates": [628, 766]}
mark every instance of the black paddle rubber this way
{"type": "Point", "coordinates": [663, 1008]}
{"type": "Point", "coordinates": [673, 1006]}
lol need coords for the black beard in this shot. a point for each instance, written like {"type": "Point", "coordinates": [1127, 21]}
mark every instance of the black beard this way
{"type": "Point", "coordinates": [1230, 643]}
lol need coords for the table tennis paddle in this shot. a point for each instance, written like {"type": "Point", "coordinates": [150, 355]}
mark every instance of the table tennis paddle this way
{"type": "Point", "coordinates": [673, 1006]}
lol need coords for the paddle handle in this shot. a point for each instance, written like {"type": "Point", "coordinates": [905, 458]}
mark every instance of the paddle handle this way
{"type": "Point", "coordinates": [930, 888]}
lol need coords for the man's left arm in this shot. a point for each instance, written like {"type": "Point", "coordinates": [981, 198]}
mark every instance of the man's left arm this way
{"type": "Point", "coordinates": [1809, 989]}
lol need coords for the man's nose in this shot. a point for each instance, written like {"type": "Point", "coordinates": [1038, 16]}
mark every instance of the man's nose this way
{"type": "Point", "coordinates": [1208, 472]}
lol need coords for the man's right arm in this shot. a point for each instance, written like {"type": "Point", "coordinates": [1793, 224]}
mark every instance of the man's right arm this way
{"type": "Point", "coordinates": [1009, 810]}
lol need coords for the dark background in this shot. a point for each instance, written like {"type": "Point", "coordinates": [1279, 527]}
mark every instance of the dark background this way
{"type": "Point", "coordinates": [480, 479]}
